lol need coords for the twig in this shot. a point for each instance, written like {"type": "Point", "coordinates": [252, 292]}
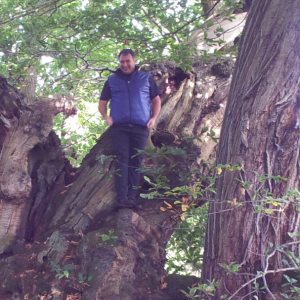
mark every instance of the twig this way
{"type": "Point", "coordinates": [266, 271]}
{"type": "Point", "coordinates": [34, 10]}
{"type": "Point", "coordinates": [194, 19]}
{"type": "Point", "coordinates": [264, 274]}
{"type": "Point", "coordinates": [261, 275]}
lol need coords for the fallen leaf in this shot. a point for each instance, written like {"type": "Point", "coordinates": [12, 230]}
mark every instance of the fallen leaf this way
{"type": "Point", "coordinates": [185, 200]}
{"type": "Point", "coordinates": [184, 207]}
{"type": "Point", "coordinates": [168, 204]}
{"type": "Point", "coordinates": [163, 286]}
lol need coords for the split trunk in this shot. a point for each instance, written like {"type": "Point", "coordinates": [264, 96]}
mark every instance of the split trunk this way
{"type": "Point", "coordinates": [57, 220]}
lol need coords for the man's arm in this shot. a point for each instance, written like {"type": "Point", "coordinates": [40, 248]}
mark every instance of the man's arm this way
{"type": "Point", "coordinates": [103, 112]}
{"type": "Point", "coordinates": [156, 105]}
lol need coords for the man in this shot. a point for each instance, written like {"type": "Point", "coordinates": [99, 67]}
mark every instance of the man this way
{"type": "Point", "coordinates": [132, 94]}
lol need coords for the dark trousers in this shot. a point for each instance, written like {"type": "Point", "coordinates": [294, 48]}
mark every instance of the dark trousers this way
{"type": "Point", "coordinates": [125, 140]}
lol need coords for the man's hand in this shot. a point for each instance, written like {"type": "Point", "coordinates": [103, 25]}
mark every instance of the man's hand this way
{"type": "Point", "coordinates": [156, 105]}
{"type": "Point", "coordinates": [109, 120]}
{"type": "Point", "coordinates": [151, 123]}
{"type": "Point", "coordinates": [103, 112]}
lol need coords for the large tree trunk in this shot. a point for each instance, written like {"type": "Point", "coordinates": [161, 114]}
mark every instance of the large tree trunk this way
{"type": "Point", "coordinates": [261, 134]}
{"type": "Point", "coordinates": [207, 5]}
{"type": "Point", "coordinates": [53, 215]}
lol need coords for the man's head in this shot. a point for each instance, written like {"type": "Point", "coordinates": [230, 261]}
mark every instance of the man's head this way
{"type": "Point", "coordinates": [127, 61]}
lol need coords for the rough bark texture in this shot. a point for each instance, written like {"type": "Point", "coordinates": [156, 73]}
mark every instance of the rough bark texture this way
{"type": "Point", "coordinates": [53, 215]}
{"type": "Point", "coordinates": [207, 5]}
{"type": "Point", "coordinates": [260, 133]}
{"type": "Point", "coordinates": [29, 87]}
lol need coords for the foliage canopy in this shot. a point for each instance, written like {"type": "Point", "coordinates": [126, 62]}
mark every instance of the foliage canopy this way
{"type": "Point", "coordinates": [73, 43]}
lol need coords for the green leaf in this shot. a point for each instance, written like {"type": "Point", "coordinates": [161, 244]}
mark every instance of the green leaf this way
{"type": "Point", "coordinates": [209, 24]}
{"type": "Point", "coordinates": [286, 296]}
{"type": "Point", "coordinates": [102, 158]}
{"type": "Point", "coordinates": [66, 273]}
{"type": "Point", "coordinates": [185, 293]}
{"type": "Point", "coordinates": [80, 276]}
{"type": "Point", "coordinates": [177, 202]}
{"type": "Point", "coordinates": [193, 291]}
{"type": "Point", "coordinates": [287, 277]}
{"type": "Point", "coordinates": [105, 238]}
{"type": "Point", "coordinates": [144, 195]}
{"type": "Point", "coordinates": [68, 267]}
{"type": "Point", "coordinates": [147, 179]}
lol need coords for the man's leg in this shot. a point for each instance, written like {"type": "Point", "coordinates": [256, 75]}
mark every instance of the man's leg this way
{"type": "Point", "coordinates": [138, 140]}
{"type": "Point", "coordinates": [120, 142]}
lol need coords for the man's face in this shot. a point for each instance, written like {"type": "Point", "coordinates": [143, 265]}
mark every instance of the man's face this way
{"type": "Point", "coordinates": [127, 63]}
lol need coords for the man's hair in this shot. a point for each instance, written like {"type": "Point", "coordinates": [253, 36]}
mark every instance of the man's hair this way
{"type": "Point", "coordinates": [126, 52]}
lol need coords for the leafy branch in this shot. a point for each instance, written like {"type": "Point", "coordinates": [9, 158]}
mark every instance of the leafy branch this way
{"type": "Point", "coordinates": [34, 10]}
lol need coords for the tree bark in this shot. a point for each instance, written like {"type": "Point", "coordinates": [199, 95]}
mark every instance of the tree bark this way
{"type": "Point", "coordinates": [261, 134]}
{"type": "Point", "coordinates": [29, 87]}
{"type": "Point", "coordinates": [207, 5]}
{"type": "Point", "coordinates": [53, 215]}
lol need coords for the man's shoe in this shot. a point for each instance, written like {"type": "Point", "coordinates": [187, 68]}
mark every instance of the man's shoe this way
{"type": "Point", "coordinates": [134, 204]}
{"type": "Point", "coordinates": [125, 203]}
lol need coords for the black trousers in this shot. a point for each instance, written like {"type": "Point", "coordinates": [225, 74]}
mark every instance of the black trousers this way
{"type": "Point", "coordinates": [125, 140]}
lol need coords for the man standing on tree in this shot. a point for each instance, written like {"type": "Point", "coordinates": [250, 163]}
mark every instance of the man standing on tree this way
{"type": "Point", "coordinates": [132, 94]}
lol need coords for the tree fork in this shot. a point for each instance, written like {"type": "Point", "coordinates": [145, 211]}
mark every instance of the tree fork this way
{"type": "Point", "coordinates": [65, 216]}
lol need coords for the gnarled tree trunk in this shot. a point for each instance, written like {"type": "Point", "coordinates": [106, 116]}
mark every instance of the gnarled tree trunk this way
{"type": "Point", "coordinates": [261, 134]}
{"type": "Point", "coordinates": [53, 216]}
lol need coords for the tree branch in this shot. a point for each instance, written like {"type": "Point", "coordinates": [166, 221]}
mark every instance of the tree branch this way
{"type": "Point", "coordinates": [35, 10]}
{"type": "Point", "coordinates": [158, 25]}
{"type": "Point", "coordinates": [194, 19]}
{"type": "Point", "coordinates": [266, 271]}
